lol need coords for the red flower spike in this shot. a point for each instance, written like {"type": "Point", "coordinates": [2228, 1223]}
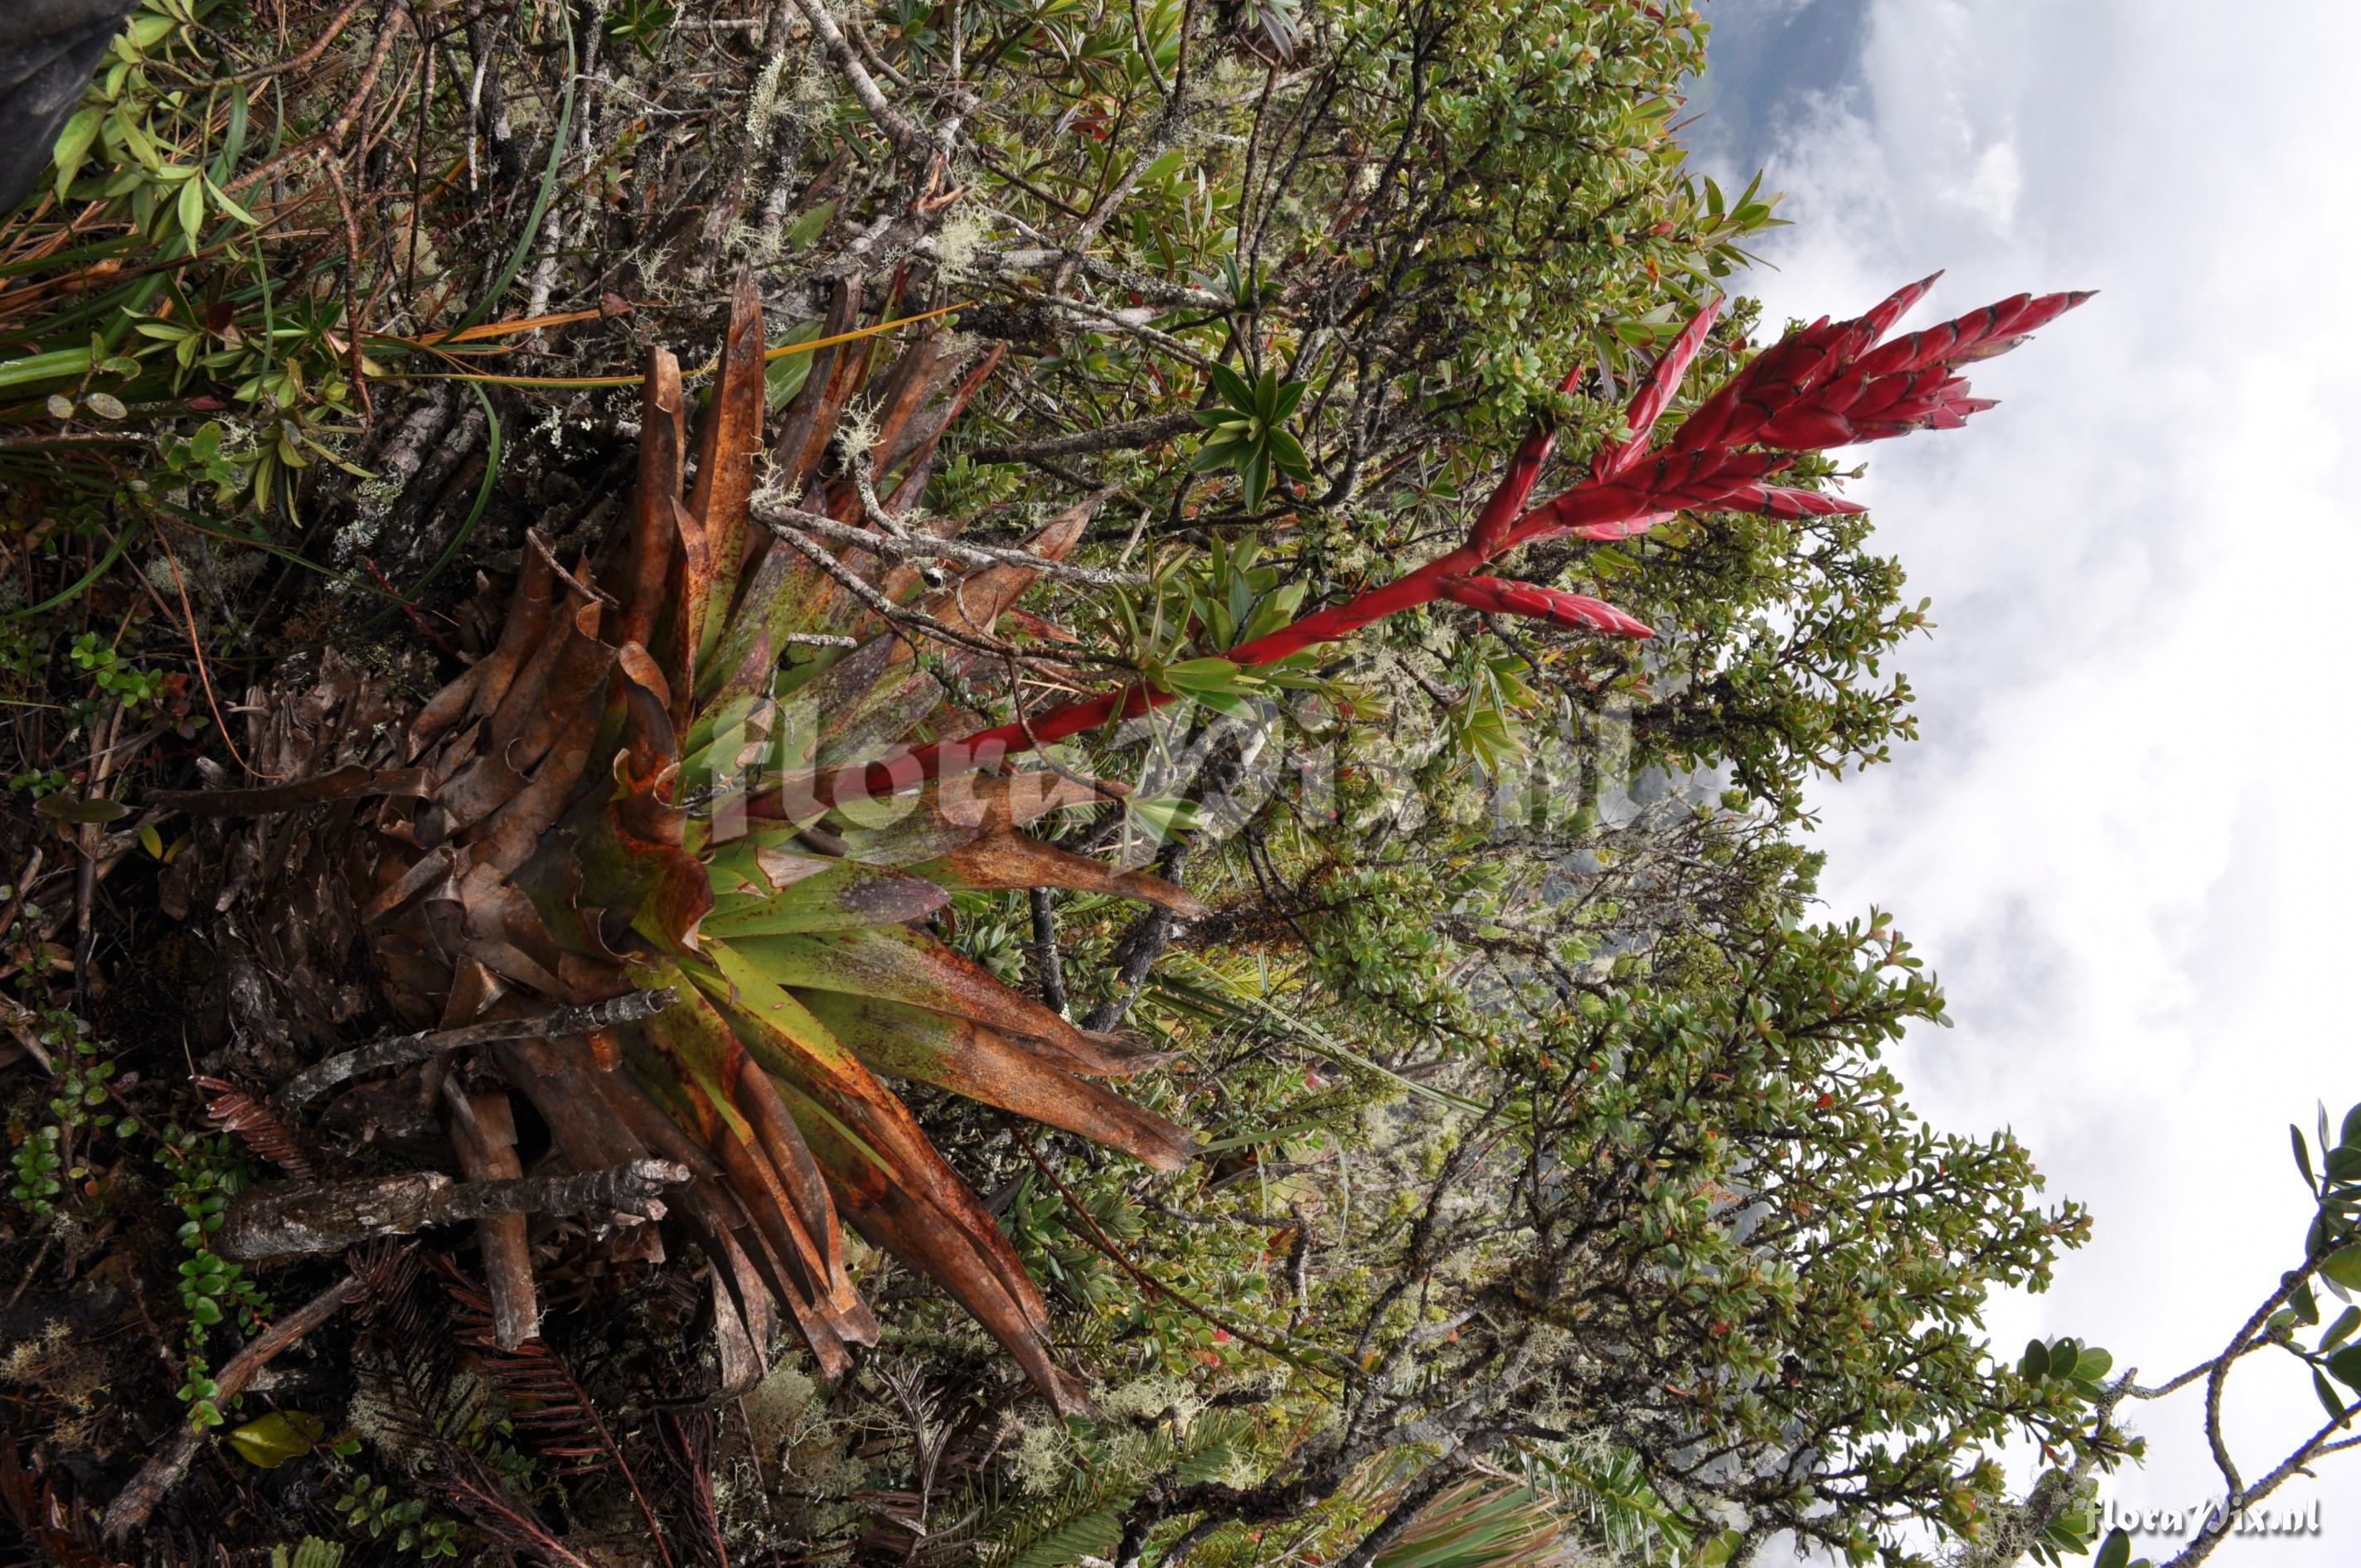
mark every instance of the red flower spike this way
{"type": "Point", "coordinates": [1654, 393]}
{"type": "Point", "coordinates": [1507, 498]}
{"type": "Point", "coordinates": [1502, 597]}
{"type": "Point", "coordinates": [1825, 385]}
{"type": "Point", "coordinates": [1954, 340]}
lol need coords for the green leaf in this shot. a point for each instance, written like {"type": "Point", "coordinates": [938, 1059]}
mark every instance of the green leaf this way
{"type": "Point", "coordinates": [1286, 455]}
{"type": "Point", "coordinates": [74, 145]}
{"type": "Point", "coordinates": [817, 895]}
{"type": "Point", "coordinates": [2115, 1553]}
{"type": "Point", "coordinates": [44, 367]}
{"type": "Point", "coordinates": [1216, 450]}
{"type": "Point", "coordinates": [221, 199]}
{"type": "Point", "coordinates": [2345, 1366]}
{"type": "Point", "coordinates": [2342, 1267]}
{"type": "Point", "coordinates": [1234, 388]}
{"type": "Point", "coordinates": [61, 807]}
{"type": "Point", "coordinates": [807, 227]}
{"type": "Point", "coordinates": [1716, 1552]}
{"type": "Point", "coordinates": [1199, 675]}
{"type": "Point", "coordinates": [270, 1440]}
{"type": "Point", "coordinates": [2034, 1362]}
{"type": "Point", "coordinates": [193, 209]}
{"type": "Point", "coordinates": [1256, 478]}
{"type": "Point", "coordinates": [2341, 1330]}
{"type": "Point", "coordinates": [2328, 1399]}
{"type": "Point", "coordinates": [2091, 1364]}
{"type": "Point", "coordinates": [1166, 818]}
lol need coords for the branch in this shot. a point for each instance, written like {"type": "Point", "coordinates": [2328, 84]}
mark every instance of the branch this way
{"type": "Point", "coordinates": [1103, 1243]}
{"type": "Point", "coordinates": [1128, 436]}
{"type": "Point", "coordinates": [401, 1050]}
{"type": "Point", "coordinates": [327, 1216]}
{"type": "Point", "coordinates": [1433, 1484]}
{"type": "Point", "coordinates": [795, 528]}
{"type": "Point", "coordinates": [137, 1501]}
{"type": "Point", "coordinates": [1045, 948]}
{"type": "Point", "coordinates": [927, 547]}
{"type": "Point", "coordinates": [907, 139]}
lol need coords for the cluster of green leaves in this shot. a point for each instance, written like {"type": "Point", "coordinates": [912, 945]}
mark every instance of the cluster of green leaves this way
{"type": "Point", "coordinates": [371, 1508]}
{"type": "Point", "coordinates": [50, 1154]}
{"type": "Point", "coordinates": [174, 359]}
{"type": "Point", "coordinates": [146, 161]}
{"type": "Point", "coordinates": [1246, 431]}
{"type": "Point", "coordinates": [131, 115]}
{"type": "Point", "coordinates": [1846, 1300]}
{"type": "Point", "coordinates": [1109, 1463]}
{"type": "Point", "coordinates": [1202, 605]}
{"type": "Point", "coordinates": [2332, 1244]}
{"type": "Point", "coordinates": [203, 1173]}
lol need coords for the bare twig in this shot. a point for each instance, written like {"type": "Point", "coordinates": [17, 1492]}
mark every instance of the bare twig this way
{"type": "Point", "coordinates": [137, 1501]}
{"type": "Point", "coordinates": [483, 1134]}
{"type": "Point", "coordinates": [1044, 908]}
{"type": "Point", "coordinates": [318, 46]}
{"type": "Point", "coordinates": [908, 546]}
{"type": "Point", "coordinates": [1130, 436]}
{"type": "Point", "coordinates": [401, 1050]}
{"type": "Point", "coordinates": [795, 526]}
{"type": "Point", "coordinates": [291, 1219]}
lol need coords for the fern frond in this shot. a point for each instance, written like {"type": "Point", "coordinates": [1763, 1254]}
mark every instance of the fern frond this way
{"type": "Point", "coordinates": [262, 1126]}
{"type": "Point", "coordinates": [549, 1406]}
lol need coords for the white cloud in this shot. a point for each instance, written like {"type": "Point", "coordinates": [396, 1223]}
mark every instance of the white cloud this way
{"type": "Point", "coordinates": [2123, 842]}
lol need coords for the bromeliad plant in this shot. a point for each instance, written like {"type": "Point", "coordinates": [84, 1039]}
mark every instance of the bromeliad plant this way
{"type": "Point", "coordinates": [548, 836]}
{"type": "Point", "coordinates": [632, 795]}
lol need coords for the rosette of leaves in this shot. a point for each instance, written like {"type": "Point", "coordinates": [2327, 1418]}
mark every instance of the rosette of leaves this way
{"type": "Point", "coordinates": [1246, 431]}
{"type": "Point", "coordinates": [564, 825]}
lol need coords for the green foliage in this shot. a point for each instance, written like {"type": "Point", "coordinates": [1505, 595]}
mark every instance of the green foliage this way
{"type": "Point", "coordinates": [310, 1552]}
{"type": "Point", "coordinates": [370, 1509]}
{"type": "Point", "coordinates": [1203, 606]}
{"type": "Point", "coordinates": [2332, 1250]}
{"type": "Point", "coordinates": [1248, 432]}
{"type": "Point", "coordinates": [53, 1152]}
{"type": "Point", "coordinates": [1070, 1497]}
{"type": "Point", "coordinates": [204, 1172]}
{"type": "Point", "coordinates": [147, 151]}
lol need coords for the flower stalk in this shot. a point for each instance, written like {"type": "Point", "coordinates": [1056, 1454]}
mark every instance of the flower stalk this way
{"type": "Point", "coordinates": [1827, 385]}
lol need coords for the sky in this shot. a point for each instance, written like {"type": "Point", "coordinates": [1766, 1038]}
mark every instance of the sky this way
{"type": "Point", "coordinates": [2120, 840]}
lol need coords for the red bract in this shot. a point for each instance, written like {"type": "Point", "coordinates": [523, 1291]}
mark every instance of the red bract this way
{"type": "Point", "coordinates": [1830, 384]}
{"type": "Point", "coordinates": [1499, 596]}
